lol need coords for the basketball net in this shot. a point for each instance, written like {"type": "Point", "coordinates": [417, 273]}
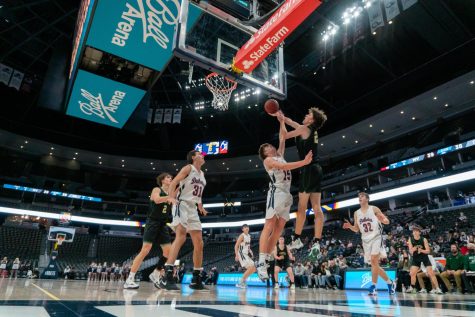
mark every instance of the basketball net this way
{"type": "Point", "coordinates": [222, 88]}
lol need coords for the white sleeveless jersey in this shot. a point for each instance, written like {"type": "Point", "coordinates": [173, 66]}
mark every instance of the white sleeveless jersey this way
{"type": "Point", "coordinates": [280, 179]}
{"type": "Point", "coordinates": [191, 188]}
{"type": "Point", "coordinates": [245, 244]}
{"type": "Point", "coordinates": [369, 225]}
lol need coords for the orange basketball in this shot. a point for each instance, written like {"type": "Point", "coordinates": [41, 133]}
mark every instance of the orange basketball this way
{"type": "Point", "coordinates": [271, 106]}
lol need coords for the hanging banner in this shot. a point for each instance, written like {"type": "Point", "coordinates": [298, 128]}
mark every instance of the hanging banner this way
{"type": "Point", "coordinates": [167, 117]}
{"type": "Point", "coordinates": [358, 33]}
{"type": "Point", "coordinates": [150, 116]}
{"type": "Point", "coordinates": [392, 10]}
{"type": "Point", "coordinates": [5, 74]}
{"type": "Point", "coordinates": [277, 28]}
{"type": "Point", "coordinates": [177, 115]}
{"type": "Point", "coordinates": [140, 31]}
{"type": "Point", "coordinates": [158, 116]}
{"type": "Point", "coordinates": [375, 15]}
{"type": "Point", "coordinates": [16, 79]}
{"type": "Point", "coordinates": [102, 100]}
{"type": "Point", "coordinates": [406, 4]}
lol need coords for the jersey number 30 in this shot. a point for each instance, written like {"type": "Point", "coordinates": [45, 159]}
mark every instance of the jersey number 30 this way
{"type": "Point", "coordinates": [197, 191]}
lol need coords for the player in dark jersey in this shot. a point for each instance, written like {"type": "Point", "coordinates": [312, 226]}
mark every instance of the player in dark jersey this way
{"type": "Point", "coordinates": [306, 139]}
{"type": "Point", "coordinates": [420, 250]}
{"type": "Point", "coordinates": [283, 256]}
{"type": "Point", "coordinates": [156, 231]}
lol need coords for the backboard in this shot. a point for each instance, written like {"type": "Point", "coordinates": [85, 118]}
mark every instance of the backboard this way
{"type": "Point", "coordinates": [211, 40]}
{"type": "Point", "coordinates": [66, 232]}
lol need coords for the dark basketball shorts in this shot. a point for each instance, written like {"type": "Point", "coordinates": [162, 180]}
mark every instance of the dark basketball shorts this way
{"type": "Point", "coordinates": [283, 264]}
{"type": "Point", "coordinates": [311, 178]}
{"type": "Point", "coordinates": [156, 232]}
{"type": "Point", "coordinates": [421, 258]}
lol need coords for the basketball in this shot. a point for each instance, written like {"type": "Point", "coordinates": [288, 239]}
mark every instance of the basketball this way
{"type": "Point", "coordinates": [271, 106]}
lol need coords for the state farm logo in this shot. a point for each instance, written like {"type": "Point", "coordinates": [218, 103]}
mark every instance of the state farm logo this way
{"type": "Point", "coordinates": [95, 105]}
{"type": "Point", "coordinates": [153, 17]}
{"type": "Point", "coordinates": [247, 64]}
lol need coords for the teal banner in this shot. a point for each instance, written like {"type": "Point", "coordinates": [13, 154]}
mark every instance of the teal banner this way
{"type": "Point", "coordinates": [102, 100]}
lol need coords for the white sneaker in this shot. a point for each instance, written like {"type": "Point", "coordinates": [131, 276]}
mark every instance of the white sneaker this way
{"type": "Point", "coordinates": [292, 287]}
{"type": "Point", "coordinates": [156, 280]}
{"type": "Point", "coordinates": [241, 285]}
{"type": "Point", "coordinates": [276, 286]}
{"type": "Point", "coordinates": [262, 271]}
{"type": "Point", "coordinates": [437, 291]}
{"type": "Point", "coordinates": [130, 285]}
{"type": "Point", "coordinates": [296, 244]}
{"type": "Point", "coordinates": [423, 291]}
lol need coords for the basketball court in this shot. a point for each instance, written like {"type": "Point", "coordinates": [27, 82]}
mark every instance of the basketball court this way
{"type": "Point", "coordinates": [80, 298]}
{"type": "Point", "coordinates": [209, 40]}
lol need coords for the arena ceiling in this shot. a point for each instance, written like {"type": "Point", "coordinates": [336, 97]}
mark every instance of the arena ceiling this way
{"type": "Point", "coordinates": [427, 45]}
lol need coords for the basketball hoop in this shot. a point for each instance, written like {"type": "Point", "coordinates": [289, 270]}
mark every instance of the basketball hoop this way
{"type": "Point", "coordinates": [221, 87]}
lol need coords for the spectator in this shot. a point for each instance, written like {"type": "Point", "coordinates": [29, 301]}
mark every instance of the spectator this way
{"type": "Point", "coordinates": [308, 273]}
{"type": "Point", "coordinates": [300, 280]}
{"type": "Point", "coordinates": [15, 267]}
{"type": "Point", "coordinates": [66, 272]}
{"type": "Point", "coordinates": [468, 275]}
{"type": "Point", "coordinates": [334, 274]}
{"type": "Point", "coordinates": [403, 269]}
{"type": "Point", "coordinates": [454, 267]}
{"type": "Point", "coordinates": [3, 267]}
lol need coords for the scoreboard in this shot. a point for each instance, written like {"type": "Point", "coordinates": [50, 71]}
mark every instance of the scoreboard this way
{"type": "Point", "coordinates": [213, 147]}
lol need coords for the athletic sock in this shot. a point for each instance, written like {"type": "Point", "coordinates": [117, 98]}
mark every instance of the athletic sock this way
{"type": "Point", "coordinates": [161, 262]}
{"type": "Point", "coordinates": [296, 236]}
{"type": "Point", "coordinates": [315, 240]}
{"type": "Point", "coordinates": [131, 277]}
{"type": "Point", "coordinates": [262, 257]}
{"type": "Point", "coordinates": [267, 257]}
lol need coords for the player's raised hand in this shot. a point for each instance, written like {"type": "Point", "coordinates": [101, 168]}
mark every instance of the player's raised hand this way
{"type": "Point", "coordinates": [280, 116]}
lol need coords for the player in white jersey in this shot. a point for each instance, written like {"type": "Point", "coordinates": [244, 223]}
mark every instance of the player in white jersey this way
{"type": "Point", "coordinates": [279, 199]}
{"type": "Point", "coordinates": [187, 204]}
{"type": "Point", "coordinates": [243, 252]}
{"type": "Point", "coordinates": [368, 221]}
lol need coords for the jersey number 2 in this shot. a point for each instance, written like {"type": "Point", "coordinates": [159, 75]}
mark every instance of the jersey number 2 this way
{"type": "Point", "coordinates": [197, 190]}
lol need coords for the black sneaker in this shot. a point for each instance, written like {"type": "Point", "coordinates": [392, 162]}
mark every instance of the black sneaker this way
{"type": "Point", "coordinates": [168, 283]}
{"type": "Point", "coordinates": [197, 284]}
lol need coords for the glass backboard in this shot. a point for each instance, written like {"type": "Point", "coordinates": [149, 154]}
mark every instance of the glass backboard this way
{"type": "Point", "coordinates": [213, 39]}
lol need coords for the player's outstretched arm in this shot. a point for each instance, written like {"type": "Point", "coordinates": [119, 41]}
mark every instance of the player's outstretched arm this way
{"type": "Point", "coordinates": [184, 172]}
{"type": "Point", "coordinates": [273, 164]}
{"type": "Point", "coordinates": [155, 196]}
{"type": "Point", "coordinates": [282, 133]}
{"type": "Point", "coordinates": [354, 227]}
{"type": "Point", "coordinates": [381, 217]}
